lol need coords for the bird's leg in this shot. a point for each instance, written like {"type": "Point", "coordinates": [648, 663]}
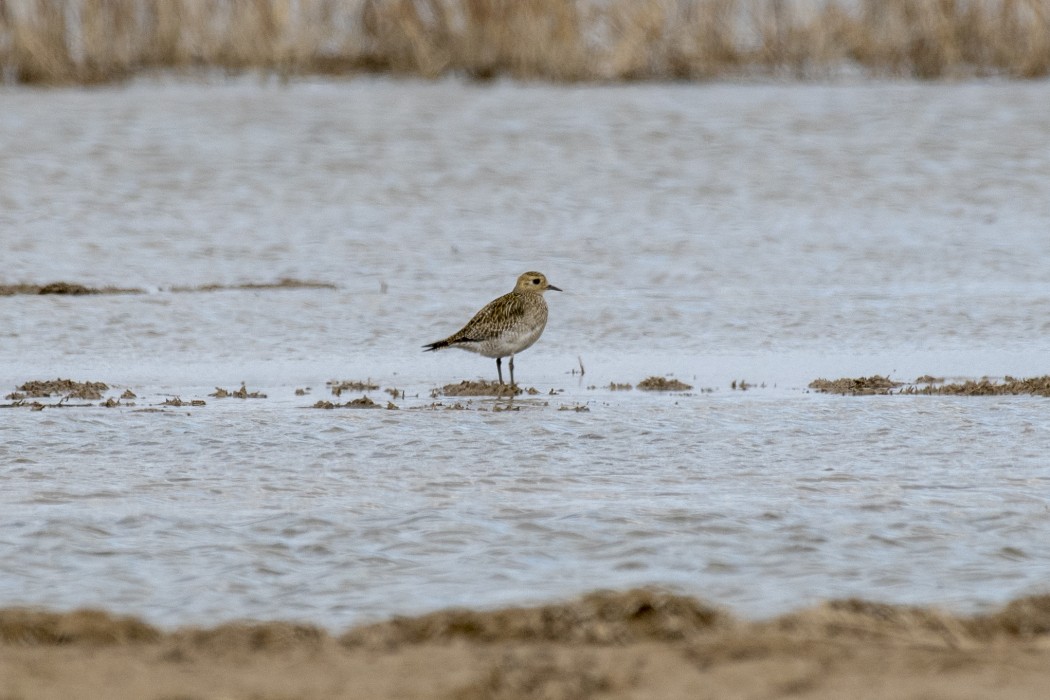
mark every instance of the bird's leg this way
{"type": "Point", "coordinates": [511, 371]}
{"type": "Point", "coordinates": [499, 370]}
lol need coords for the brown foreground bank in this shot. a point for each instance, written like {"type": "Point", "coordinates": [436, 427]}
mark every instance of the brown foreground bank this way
{"type": "Point", "coordinates": [633, 644]}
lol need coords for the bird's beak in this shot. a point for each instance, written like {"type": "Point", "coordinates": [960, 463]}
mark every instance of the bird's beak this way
{"type": "Point", "coordinates": [551, 286]}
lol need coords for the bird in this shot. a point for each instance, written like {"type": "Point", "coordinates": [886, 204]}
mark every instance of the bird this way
{"type": "Point", "coordinates": [506, 325]}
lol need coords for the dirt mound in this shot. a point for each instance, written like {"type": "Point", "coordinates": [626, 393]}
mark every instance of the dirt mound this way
{"type": "Point", "coordinates": [177, 402]}
{"type": "Point", "coordinates": [599, 618]}
{"type": "Point", "coordinates": [338, 387]}
{"type": "Point", "coordinates": [662, 384]}
{"type": "Point", "coordinates": [481, 388]}
{"type": "Point", "coordinates": [283, 283]}
{"type": "Point", "coordinates": [84, 627]}
{"type": "Point", "coordinates": [68, 288]}
{"type": "Point", "coordinates": [1035, 386]}
{"type": "Point", "coordinates": [74, 289]}
{"type": "Point", "coordinates": [241, 393]}
{"type": "Point", "coordinates": [363, 402]}
{"type": "Point", "coordinates": [88, 391]}
{"type": "Point", "coordinates": [928, 385]}
{"type": "Point", "coordinates": [861, 386]}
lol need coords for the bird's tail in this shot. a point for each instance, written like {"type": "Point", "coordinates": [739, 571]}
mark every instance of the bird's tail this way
{"type": "Point", "coordinates": [436, 345]}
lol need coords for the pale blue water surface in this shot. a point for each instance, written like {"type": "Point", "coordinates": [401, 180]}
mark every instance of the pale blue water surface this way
{"type": "Point", "coordinates": [768, 233]}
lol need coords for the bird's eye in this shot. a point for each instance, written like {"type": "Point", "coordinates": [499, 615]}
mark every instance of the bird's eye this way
{"type": "Point", "coordinates": [535, 280]}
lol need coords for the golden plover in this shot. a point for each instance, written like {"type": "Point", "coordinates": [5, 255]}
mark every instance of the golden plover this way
{"type": "Point", "coordinates": [506, 325]}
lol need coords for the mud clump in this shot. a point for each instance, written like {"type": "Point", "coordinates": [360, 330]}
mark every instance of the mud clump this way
{"type": "Point", "coordinates": [744, 385]}
{"type": "Point", "coordinates": [1034, 386]}
{"type": "Point", "coordinates": [241, 393]}
{"type": "Point", "coordinates": [22, 403]}
{"type": "Point", "coordinates": [934, 386]}
{"type": "Point", "coordinates": [68, 388]}
{"type": "Point", "coordinates": [363, 402]}
{"type": "Point", "coordinates": [62, 288]}
{"type": "Point", "coordinates": [283, 283]}
{"type": "Point", "coordinates": [338, 387]}
{"type": "Point", "coordinates": [66, 288]}
{"type": "Point", "coordinates": [178, 402]}
{"type": "Point", "coordinates": [8, 290]}
{"type": "Point", "coordinates": [861, 386]}
{"type": "Point", "coordinates": [74, 289]}
{"type": "Point", "coordinates": [481, 388]}
{"type": "Point", "coordinates": [662, 384]}
{"type": "Point", "coordinates": [438, 406]}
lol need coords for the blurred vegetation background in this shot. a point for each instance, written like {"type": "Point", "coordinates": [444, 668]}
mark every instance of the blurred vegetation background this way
{"type": "Point", "coordinates": [91, 41]}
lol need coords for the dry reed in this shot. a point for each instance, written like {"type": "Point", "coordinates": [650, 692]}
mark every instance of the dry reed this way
{"type": "Point", "coordinates": [85, 41]}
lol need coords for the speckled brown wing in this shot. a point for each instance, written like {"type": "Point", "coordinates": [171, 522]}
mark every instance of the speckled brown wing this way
{"type": "Point", "coordinates": [495, 318]}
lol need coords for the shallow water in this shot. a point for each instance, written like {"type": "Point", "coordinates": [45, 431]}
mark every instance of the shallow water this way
{"type": "Point", "coordinates": [773, 233]}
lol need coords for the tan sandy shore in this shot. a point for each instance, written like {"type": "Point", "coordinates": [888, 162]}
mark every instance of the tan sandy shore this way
{"type": "Point", "coordinates": [633, 644]}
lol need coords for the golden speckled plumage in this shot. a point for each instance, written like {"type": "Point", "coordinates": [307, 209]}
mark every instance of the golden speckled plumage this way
{"type": "Point", "coordinates": [505, 326]}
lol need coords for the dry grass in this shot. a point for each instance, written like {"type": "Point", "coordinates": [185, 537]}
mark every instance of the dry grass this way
{"type": "Point", "coordinates": [85, 41]}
